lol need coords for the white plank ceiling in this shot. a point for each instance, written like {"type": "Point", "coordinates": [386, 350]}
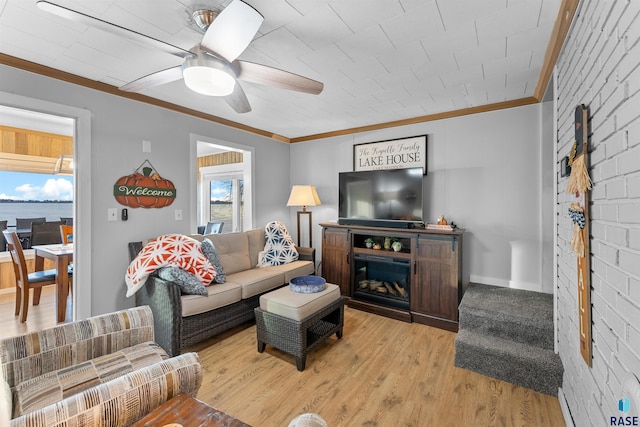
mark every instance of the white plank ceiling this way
{"type": "Point", "coordinates": [380, 60]}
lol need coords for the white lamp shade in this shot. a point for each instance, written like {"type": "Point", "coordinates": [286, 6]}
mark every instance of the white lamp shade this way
{"type": "Point", "coordinates": [303, 195]}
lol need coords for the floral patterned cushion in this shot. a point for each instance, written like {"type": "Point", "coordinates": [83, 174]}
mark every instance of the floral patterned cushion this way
{"type": "Point", "coordinates": [187, 282]}
{"type": "Point", "coordinates": [279, 248]}
{"type": "Point", "coordinates": [209, 250]}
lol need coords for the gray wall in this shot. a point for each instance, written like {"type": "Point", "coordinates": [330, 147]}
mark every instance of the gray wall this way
{"type": "Point", "coordinates": [599, 68]}
{"type": "Point", "coordinates": [485, 173]}
{"type": "Point", "coordinates": [118, 127]}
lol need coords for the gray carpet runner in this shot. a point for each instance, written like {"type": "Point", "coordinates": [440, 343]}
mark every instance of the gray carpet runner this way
{"type": "Point", "coordinates": [507, 334]}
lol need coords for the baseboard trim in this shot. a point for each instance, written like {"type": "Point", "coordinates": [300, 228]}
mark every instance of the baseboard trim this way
{"type": "Point", "coordinates": [564, 407]}
{"type": "Point", "coordinates": [488, 281]}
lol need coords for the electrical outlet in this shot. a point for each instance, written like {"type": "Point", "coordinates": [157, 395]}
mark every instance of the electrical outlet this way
{"type": "Point", "coordinates": [178, 214]}
{"type": "Point", "coordinates": [112, 214]}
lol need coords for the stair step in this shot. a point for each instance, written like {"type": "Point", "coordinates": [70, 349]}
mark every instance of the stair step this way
{"type": "Point", "coordinates": [518, 363]}
{"type": "Point", "coordinates": [514, 314]}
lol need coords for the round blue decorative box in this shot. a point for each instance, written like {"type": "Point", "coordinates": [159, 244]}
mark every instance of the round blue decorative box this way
{"type": "Point", "coordinates": [307, 284]}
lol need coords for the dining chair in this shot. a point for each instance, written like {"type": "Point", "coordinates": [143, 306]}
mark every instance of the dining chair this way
{"type": "Point", "coordinates": [3, 242]}
{"type": "Point", "coordinates": [46, 233]}
{"type": "Point", "coordinates": [25, 224]}
{"type": "Point", "coordinates": [67, 220]}
{"type": "Point", "coordinates": [66, 233]}
{"type": "Point", "coordinates": [26, 281]}
{"type": "Point", "coordinates": [213, 228]}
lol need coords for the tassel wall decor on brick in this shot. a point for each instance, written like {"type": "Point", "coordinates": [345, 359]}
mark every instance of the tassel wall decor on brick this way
{"type": "Point", "coordinates": [580, 185]}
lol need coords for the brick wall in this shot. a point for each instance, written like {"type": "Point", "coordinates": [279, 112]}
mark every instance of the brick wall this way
{"type": "Point", "coordinates": [599, 67]}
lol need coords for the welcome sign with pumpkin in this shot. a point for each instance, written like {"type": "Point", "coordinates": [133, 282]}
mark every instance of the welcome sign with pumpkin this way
{"type": "Point", "coordinates": [144, 188]}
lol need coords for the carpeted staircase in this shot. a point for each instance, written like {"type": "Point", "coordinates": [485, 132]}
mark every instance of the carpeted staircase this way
{"type": "Point", "coordinates": [507, 334]}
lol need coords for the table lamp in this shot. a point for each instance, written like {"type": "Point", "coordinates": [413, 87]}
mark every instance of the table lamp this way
{"type": "Point", "coordinates": [304, 195]}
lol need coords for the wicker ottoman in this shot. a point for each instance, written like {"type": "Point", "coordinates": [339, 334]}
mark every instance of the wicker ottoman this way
{"type": "Point", "coordinates": [297, 323]}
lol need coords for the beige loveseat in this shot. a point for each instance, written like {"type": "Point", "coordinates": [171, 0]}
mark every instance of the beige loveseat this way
{"type": "Point", "coordinates": [102, 371]}
{"type": "Point", "coordinates": [184, 320]}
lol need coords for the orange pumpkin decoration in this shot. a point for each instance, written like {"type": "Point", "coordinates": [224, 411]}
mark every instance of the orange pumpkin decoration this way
{"type": "Point", "coordinates": [144, 190]}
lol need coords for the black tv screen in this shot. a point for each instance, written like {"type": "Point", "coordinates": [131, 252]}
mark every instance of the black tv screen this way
{"type": "Point", "coordinates": [380, 195]}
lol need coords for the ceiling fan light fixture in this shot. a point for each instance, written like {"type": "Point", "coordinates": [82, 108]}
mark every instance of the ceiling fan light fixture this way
{"type": "Point", "coordinates": [208, 81]}
{"type": "Point", "coordinates": [207, 75]}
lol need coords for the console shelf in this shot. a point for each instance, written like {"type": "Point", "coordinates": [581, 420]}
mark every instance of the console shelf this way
{"type": "Point", "coordinates": [382, 253]}
{"type": "Point", "coordinates": [422, 282]}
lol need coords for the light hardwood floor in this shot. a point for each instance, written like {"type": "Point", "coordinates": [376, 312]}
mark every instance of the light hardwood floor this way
{"type": "Point", "coordinates": [38, 317]}
{"type": "Point", "coordinates": [383, 372]}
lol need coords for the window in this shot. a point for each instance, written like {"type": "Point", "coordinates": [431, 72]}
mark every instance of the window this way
{"type": "Point", "coordinates": [223, 190]}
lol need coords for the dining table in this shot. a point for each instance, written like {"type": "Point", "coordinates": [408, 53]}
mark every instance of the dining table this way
{"type": "Point", "coordinates": [62, 255]}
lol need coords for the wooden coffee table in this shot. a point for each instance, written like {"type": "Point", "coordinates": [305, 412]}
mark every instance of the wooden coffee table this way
{"type": "Point", "coordinates": [188, 412]}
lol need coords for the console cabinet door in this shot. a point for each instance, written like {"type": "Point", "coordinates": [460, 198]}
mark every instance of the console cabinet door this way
{"type": "Point", "coordinates": [434, 286]}
{"type": "Point", "coordinates": [335, 258]}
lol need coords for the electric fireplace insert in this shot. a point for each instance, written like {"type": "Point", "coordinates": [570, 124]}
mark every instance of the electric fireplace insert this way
{"type": "Point", "coordinates": [382, 279]}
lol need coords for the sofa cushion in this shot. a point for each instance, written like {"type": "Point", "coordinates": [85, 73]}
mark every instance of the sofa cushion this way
{"type": "Point", "coordinates": [293, 269]}
{"type": "Point", "coordinates": [52, 387]}
{"type": "Point", "coordinates": [233, 251]}
{"type": "Point", "coordinates": [209, 250]}
{"type": "Point", "coordinates": [187, 282]}
{"type": "Point", "coordinates": [256, 244]}
{"type": "Point", "coordinates": [279, 247]}
{"type": "Point", "coordinates": [218, 296]}
{"type": "Point", "coordinates": [293, 305]}
{"type": "Point", "coordinates": [256, 281]}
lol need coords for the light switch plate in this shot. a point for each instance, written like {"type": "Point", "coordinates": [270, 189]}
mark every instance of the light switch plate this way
{"type": "Point", "coordinates": [112, 214]}
{"type": "Point", "coordinates": [178, 214]}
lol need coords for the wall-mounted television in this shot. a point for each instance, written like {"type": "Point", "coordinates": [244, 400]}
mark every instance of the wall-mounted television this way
{"type": "Point", "coordinates": [389, 197]}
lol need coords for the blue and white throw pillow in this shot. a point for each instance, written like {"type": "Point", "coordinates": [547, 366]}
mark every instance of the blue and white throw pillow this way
{"type": "Point", "coordinates": [209, 250]}
{"type": "Point", "coordinates": [188, 283]}
{"type": "Point", "coordinates": [279, 247]}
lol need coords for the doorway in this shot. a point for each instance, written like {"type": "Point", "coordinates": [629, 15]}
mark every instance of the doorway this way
{"type": "Point", "coordinates": [80, 120]}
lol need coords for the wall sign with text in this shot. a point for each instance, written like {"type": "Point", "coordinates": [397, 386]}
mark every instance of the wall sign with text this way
{"type": "Point", "coordinates": [392, 154]}
{"type": "Point", "coordinates": [144, 188]}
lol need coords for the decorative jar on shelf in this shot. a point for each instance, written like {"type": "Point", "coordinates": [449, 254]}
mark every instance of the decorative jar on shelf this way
{"type": "Point", "coordinates": [396, 246]}
{"type": "Point", "coordinates": [369, 242]}
{"type": "Point", "coordinates": [387, 243]}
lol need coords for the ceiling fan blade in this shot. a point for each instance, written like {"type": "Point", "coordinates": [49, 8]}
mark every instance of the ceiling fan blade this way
{"type": "Point", "coordinates": [154, 79]}
{"type": "Point", "coordinates": [265, 75]}
{"type": "Point", "coordinates": [92, 21]}
{"type": "Point", "coordinates": [232, 30]}
{"type": "Point", "coordinates": [238, 100]}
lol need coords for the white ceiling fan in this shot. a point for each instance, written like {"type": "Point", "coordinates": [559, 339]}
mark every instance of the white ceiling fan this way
{"type": "Point", "coordinates": [210, 67]}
